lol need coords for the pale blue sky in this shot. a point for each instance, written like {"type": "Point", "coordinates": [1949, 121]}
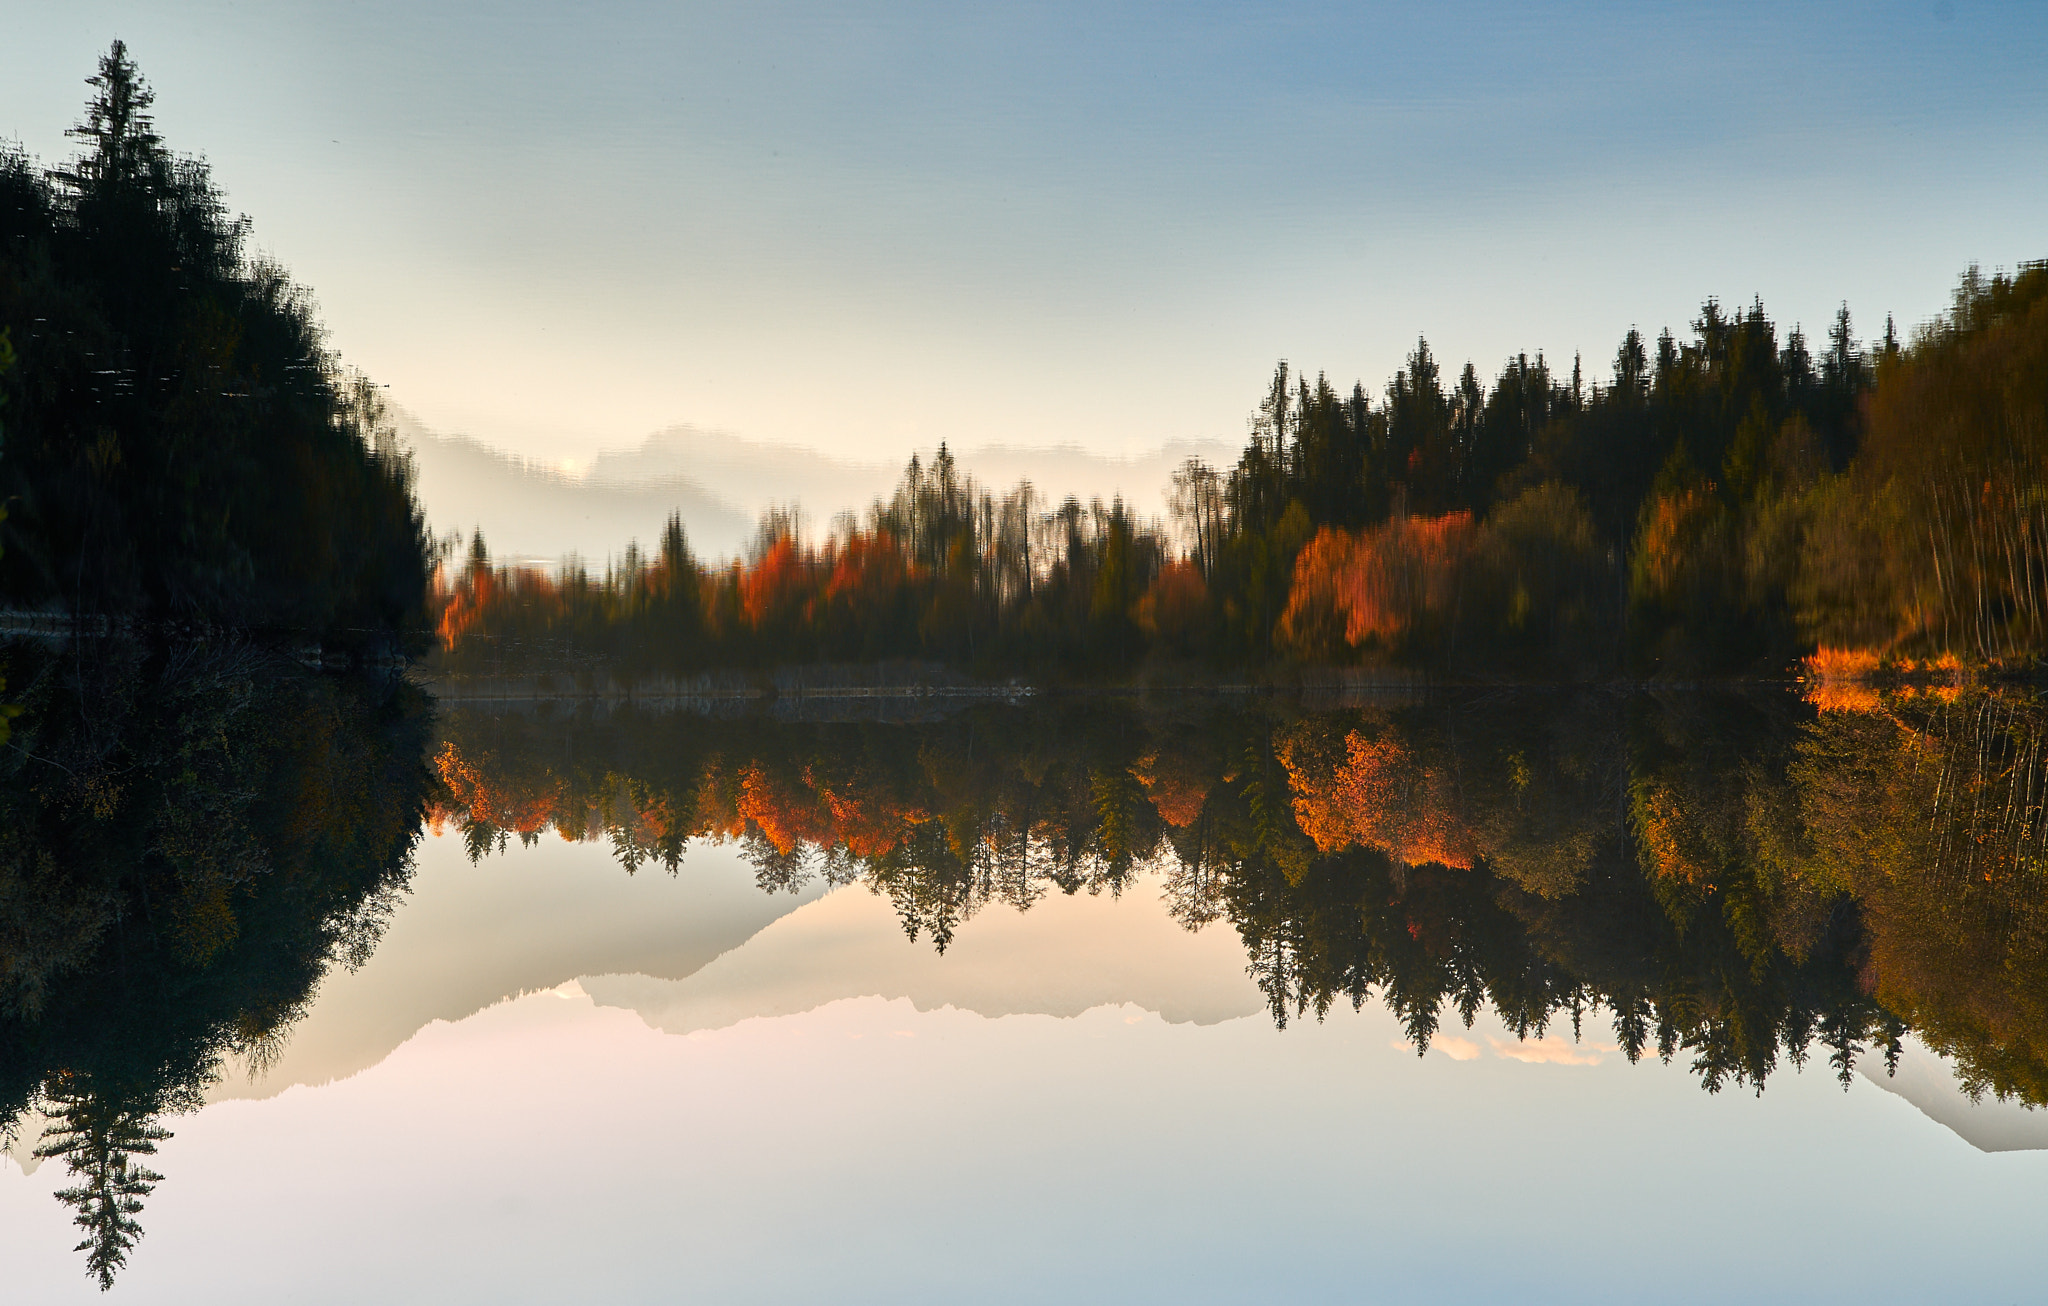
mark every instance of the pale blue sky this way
{"type": "Point", "coordinates": [560, 227]}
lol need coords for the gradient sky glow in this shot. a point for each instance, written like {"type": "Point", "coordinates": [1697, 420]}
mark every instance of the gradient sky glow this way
{"type": "Point", "coordinates": [561, 227]}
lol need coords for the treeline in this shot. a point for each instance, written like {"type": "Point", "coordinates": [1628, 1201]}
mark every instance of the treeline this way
{"type": "Point", "coordinates": [943, 571]}
{"type": "Point", "coordinates": [181, 446]}
{"type": "Point", "coordinates": [1736, 881]}
{"type": "Point", "coordinates": [1724, 503]}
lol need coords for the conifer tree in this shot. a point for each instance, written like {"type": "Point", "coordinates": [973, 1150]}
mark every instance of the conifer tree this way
{"type": "Point", "coordinates": [98, 1139]}
{"type": "Point", "coordinates": [119, 133]}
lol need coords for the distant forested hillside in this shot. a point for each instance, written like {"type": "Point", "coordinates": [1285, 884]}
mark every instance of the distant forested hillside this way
{"type": "Point", "coordinates": [536, 512]}
{"type": "Point", "coordinates": [181, 446]}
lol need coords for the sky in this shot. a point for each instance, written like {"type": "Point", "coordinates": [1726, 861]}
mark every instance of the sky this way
{"type": "Point", "coordinates": [559, 228]}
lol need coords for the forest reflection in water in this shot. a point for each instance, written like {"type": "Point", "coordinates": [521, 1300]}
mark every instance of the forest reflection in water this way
{"type": "Point", "coordinates": [1736, 880]}
{"type": "Point", "coordinates": [190, 840]}
{"type": "Point", "coordinates": [1733, 881]}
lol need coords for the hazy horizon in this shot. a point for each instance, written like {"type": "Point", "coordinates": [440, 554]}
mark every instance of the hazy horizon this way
{"type": "Point", "coordinates": [720, 483]}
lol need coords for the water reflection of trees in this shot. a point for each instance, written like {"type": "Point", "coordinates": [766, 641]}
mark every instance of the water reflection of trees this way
{"type": "Point", "coordinates": [1738, 881]}
{"type": "Point", "coordinates": [1928, 814]}
{"type": "Point", "coordinates": [188, 842]}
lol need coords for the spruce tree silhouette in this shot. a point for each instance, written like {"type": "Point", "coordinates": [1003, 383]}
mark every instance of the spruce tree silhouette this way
{"type": "Point", "coordinates": [98, 1139]}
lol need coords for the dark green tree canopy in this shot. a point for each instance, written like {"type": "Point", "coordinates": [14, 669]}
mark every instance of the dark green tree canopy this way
{"type": "Point", "coordinates": [184, 446]}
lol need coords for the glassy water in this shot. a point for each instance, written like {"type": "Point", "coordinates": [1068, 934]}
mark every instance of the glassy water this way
{"type": "Point", "coordinates": [1551, 996]}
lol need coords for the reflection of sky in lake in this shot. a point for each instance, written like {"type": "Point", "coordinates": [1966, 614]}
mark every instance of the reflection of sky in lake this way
{"type": "Point", "coordinates": [563, 226]}
{"type": "Point", "coordinates": [840, 1121]}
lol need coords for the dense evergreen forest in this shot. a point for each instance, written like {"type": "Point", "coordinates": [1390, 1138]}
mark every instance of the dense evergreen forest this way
{"type": "Point", "coordinates": [182, 449]}
{"type": "Point", "coordinates": [192, 830]}
{"type": "Point", "coordinates": [1724, 503]}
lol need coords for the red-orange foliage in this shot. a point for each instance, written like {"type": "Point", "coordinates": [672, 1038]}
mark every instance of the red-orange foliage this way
{"type": "Point", "coordinates": [1175, 603]}
{"type": "Point", "coordinates": [481, 597]}
{"type": "Point", "coordinates": [868, 820]}
{"type": "Point", "coordinates": [775, 585]}
{"type": "Point", "coordinates": [1177, 788]}
{"type": "Point", "coordinates": [462, 605]}
{"type": "Point", "coordinates": [786, 817]}
{"type": "Point", "coordinates": [524, 809]}
{"type": "Point", "coordinates": [1379, 797]}
{"type": "Point", "coordinates": [1668, 837]}
{"type": "Point", "coordinates": [1382, 585]}
{"type": "Point", "coordinates": [1671, 531]}
{"type": "Point", "coordinates": [867, 570]}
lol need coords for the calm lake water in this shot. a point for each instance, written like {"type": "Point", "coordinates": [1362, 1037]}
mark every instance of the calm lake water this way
{"type": "Point", "coordinates": [1135, 1070]}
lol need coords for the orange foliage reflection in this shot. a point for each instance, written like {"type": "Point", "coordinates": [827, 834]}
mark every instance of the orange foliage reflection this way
{"type": "Point", "coordinates": [1177, 789]}
{"type": "Point", "coordinates": [1380, 797]}
{"type": "Point", "coordinates": [788, 811]}
{"type": "Point", "coordinates": [522, 809]}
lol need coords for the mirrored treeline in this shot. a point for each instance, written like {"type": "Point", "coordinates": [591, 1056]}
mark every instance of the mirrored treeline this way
{"type": "Point", "coordinates": [1735, 880]}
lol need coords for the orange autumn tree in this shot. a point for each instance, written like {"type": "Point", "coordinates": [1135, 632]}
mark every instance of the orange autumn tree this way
{"type": "Point", "coordinates": [485, 602]}
{"type": "Point", "coordinates": [790, 810]}
{"type": "Point", "coordinates": [1685, 575]}
{"type": "Point", "coordinates": [774, 589]}
{"type": "Point", "coordinates": [786, 814]}
{"type": "Point", "coordinates": [1393, 586]}
{"type": "Point", "coordinates": [867, 819]}
{"type": "Point", "coordinates": [948, 573]}
{"type": "Point", "coordinates": [1176, 609]}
